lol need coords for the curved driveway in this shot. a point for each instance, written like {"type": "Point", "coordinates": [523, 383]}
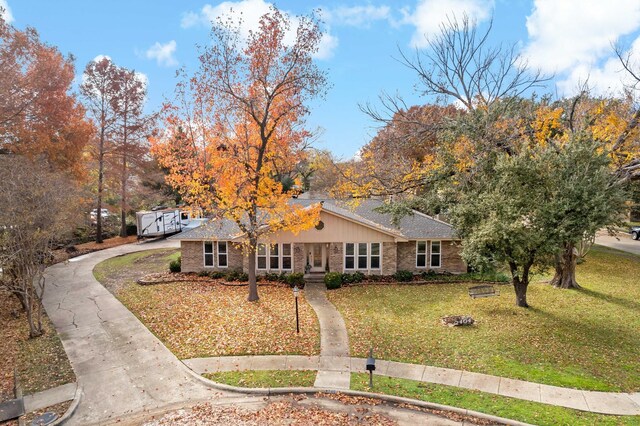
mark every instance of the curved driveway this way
{"type": "Point", "coordinates": [122, 367]}
{"type": "Point", "coordinates": [622, 241]}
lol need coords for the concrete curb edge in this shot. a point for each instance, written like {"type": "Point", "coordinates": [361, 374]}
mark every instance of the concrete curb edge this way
{"type": "Point", "coordinates": [382, 397]}
{"type": "Point", "coordinates": [72, 408]}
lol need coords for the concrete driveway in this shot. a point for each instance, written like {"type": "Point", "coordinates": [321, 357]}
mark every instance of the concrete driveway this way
{"type": "Point", "coordinates": [122, 367]}
{"type": "Point", "coordinates": [621, 241]}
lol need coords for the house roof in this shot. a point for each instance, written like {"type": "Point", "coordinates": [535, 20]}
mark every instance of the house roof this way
{"type": "Point", "coordinates": [416, 226]}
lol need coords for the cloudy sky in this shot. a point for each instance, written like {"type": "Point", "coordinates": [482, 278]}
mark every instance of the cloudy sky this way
{"type": "Point", "coordinates": [570, 38]}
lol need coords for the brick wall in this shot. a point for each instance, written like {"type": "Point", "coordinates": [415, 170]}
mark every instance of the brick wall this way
{"type": "Point", "coordinates": [299, 257]}
{"type": "Point", "coordinates": [389, 258]}
{"type": "Point", "coordinates": [450, 258]}
{"type": "Point", "coordinates": [192, 253]}
{"type": "Point", "coordinates": [336, 258]}
{"type": "Point", "coordinates": [192, 256]}
{"type": "Point", "coordinates": [406, 253]}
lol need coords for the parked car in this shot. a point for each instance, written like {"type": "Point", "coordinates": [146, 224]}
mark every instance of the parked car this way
{"type": "Point", "coordinates": [94, 214]}
{"type": "Point", "coordinates": [635, 232]}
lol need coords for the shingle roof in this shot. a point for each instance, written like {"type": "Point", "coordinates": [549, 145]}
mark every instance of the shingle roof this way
{"type": "Point", "coordinates": [412, 227]}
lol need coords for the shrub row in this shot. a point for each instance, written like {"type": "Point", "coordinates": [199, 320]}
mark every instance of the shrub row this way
{"type": "Point", "coordinates": [293, 279]}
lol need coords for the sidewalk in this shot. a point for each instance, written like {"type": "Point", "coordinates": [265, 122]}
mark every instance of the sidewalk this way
{"type": "Point", "coordinates": [333, 364]}
{"type": "Point", "coordinates": [595, 402]}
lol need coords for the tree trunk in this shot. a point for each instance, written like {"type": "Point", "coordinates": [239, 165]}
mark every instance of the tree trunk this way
{"type": "Point", "coordinates": [100, 178]}
{"type": "Point", "coordinates": [521, 292]}
{"type": "Point", "coordinates": [565, 276]}
{"type": "Point", "coordinates": [35, 328]}
{"type": "Point", "coordinates": [520, 284]}
{"type": "Point", "coordinates": [123, 197]}
{"type": "Point", "coordinates": [253, 285]}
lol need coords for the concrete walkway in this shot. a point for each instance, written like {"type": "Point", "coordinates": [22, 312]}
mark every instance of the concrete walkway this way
{"type": "Point", "coordinates": [121, 366]}
{"type": "Point", "coordinates": [596, 402]}
{"type": "Point", "coordinates": [333, 363]}
{"type": "Point", "coordinates": [621, 241]}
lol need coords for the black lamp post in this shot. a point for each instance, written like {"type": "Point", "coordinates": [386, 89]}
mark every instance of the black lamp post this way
{"type": "Point", "coordinates": [371, 366]}
{"type": "Point", "coordinates": [296, 290]}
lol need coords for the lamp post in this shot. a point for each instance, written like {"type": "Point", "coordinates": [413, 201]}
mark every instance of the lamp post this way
{"type": "Point", "coordinates": [296, 290]}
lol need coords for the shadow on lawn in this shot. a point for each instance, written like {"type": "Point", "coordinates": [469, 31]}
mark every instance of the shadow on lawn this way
{"type": "Point", "coordinates": [630, 304]}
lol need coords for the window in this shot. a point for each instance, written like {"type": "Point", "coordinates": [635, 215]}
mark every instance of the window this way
{"type": "Point", "coordinates": [274, 259]}
{"type": "Point", "coordinates": [262, 256]}
{"type": "Point", "coordinates": [362, 256]}
{"type": "Point", "coordinates": [286, 257]}
{"type": "Point", "coordinates": [421, 254]}
{"type": "Point", "coordinates": [435, 254]}
{"type": "Point", "coordinates": [349, 256]}
{"type": "Point", "coordinates": [374, 260]}
{"type": "Point", "coordinates": [274, 256]}
{"type": "Point", "coordinates": [222, 254]}
{"type": "Point", "coordinates": [208, 253]}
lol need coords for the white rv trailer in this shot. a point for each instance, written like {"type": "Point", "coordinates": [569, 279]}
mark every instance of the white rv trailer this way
{"type": "Point", "coordinates": [157, 223]}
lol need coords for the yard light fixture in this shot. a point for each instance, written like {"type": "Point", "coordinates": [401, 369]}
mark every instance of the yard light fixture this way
{"type": "Point", "coordinates": [296, 290]}
{"type": "Point", "coordinates": [371, 366]}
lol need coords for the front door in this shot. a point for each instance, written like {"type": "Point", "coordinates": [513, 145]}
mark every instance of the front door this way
{"type": "Point", "coordinates": [317, 256]}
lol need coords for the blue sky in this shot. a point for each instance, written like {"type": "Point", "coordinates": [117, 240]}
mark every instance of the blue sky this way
{"type": "Point", "coordinates": [571, 38]}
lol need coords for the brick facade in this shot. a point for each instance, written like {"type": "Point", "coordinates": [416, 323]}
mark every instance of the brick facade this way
{"type": "Point", "coordinates": [395, 256]}
{"type": "Point", "coordinates": [299, 257]}
{"type": "Point", "coordinates": [450, 259]}
{"type": "Point", "coordinates": [336, 258]}
{"type": "Point", "coordinates": [389, 258]}
{"type": "Point", "coordinates": [192, 253]}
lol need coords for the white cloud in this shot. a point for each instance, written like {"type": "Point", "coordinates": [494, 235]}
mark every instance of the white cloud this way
{"type": "Point", "coordinates": [6, 15]}
{"type": "Point", "coordinates": [577, 33]}
{"type": "Point", "coordinates": [247, 14]}
{"type": "Point", "coordinates": [357, 16]}
{"type": "Point", "coordinates": [163, 53]}
{"type": "Point", "coordinates": [429, 15]}
{"type": "Point", "coordinates": [608, 79]}
{"type": "Point", "coordinates": [101, 57]}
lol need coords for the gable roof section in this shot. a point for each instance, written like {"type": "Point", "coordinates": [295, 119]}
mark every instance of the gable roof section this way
{"type": "Point", "coordinates": [417, 226]}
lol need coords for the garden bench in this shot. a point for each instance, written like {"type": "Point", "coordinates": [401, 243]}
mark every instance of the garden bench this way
{"type": "Point", "coordinates": [483, 291]}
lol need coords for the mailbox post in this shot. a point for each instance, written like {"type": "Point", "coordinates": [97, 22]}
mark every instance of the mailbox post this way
{"type": "Point", "coordinates": [296, 290]}
{"type": "Point", "coordinates": [371, 366]}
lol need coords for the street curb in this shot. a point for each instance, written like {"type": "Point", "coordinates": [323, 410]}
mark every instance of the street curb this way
{"type": "Point", "coordinates": [72, 408]}
{"type": "Point", "coordinates": [382, 397]}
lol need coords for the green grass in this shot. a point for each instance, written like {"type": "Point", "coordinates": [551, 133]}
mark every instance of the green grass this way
{"type": "Point", "coordinates": [265, 379]}
{"type": "Point", "coordinates": [108, 267]}
{"type": "Point", "coordinates": [585, 339]}
{"type": "Point", "coordinates": [524, 411]}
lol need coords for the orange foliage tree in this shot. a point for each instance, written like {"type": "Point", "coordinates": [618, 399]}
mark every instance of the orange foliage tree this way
{"type": "Point", "coordinates": [239, 120]}
{"type": "Point", "coordinates": [39, 117]}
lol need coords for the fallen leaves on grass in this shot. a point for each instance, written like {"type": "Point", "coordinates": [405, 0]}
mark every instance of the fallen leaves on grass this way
{"type": "Point", "coordinates": [586, 339]}
{"type": "Point", "coordinates": [199, 319]}
{"type": "Point", "coordinates": [41, 362]}
{"type": "Point", "coordinates": [275, 413]}
{"type": "Point", "coordinates": [349, 399]}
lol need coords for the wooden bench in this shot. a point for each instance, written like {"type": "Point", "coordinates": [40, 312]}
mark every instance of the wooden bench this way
{"type": "Point", "coordinates": [483, 291]}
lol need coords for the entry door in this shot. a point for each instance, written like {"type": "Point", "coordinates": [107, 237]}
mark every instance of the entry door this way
{"type": "Point", "coordinates": [317, 256]}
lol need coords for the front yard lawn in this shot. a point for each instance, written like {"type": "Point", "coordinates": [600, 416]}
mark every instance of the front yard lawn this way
{"type": "Point", "coordinates": [502, 406]}
{"type": "Point", "coordinates": [586, 339]}
{"type": "Point", "coordinates": [265, 378]}
{"type": "Point", "coordinates": [202, 319]}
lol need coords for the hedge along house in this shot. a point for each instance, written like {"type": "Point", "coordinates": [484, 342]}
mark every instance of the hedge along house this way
{"type": "Point", "coordinates": [346, 239]}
